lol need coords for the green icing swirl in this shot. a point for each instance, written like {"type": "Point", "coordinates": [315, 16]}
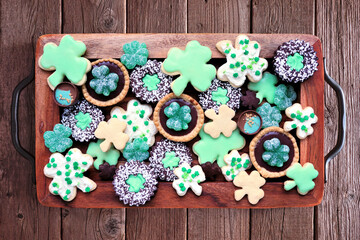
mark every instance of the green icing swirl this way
{"type": "Point", "coordinates": [170, 160]}
{"type": "Point", "coordinates": [151, 82]}
{"type": "Point", "coordinates": [219, 96]}
{"type": "Point", "coordinates": [83, 120]}
{"type": "Point", "coordinates": [135, 182]}
{"type": "Point", "coordinates": [295, 62]}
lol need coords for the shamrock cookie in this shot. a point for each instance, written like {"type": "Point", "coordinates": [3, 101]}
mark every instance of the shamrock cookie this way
{"type": "Point", "coordinates": [83, 118]}
{"type": "Point", "coordinates": [68, 173]}
{"type": "Point", "coordinates": [166, 155]}
{"type": "Point", "coordinates": [209, 149]}
{"type": "Point", "coordinates": [148, 83]}
{"type": "Point", "coordinates": [211, 170]}
{"type": "Point", "coordinates": [220, 93]}
{"type": "Point", "coordinates": [191, 65]}
{"type": "Point", "coordinates": [222, 122]}
{"type": "Point", "coordinates": [137, 150]}
{"type": "Point", "coordinates": [303, 178]}
{"type": "Point", "coordinates": [66, 60]}
{"type": "Point", "coordinates": [302, 120]}
{"type": "Point", "coordinates": [249, 100]}
{"type": "Point", "coordinates": [273, 151]}
{"type": "Point", "coordinates": [107, 171]}
{"type": "Point", "coordinates": [58, 140]}
{"type": "Point", "coordinates": [242, 61]}
{"type": "Point", "coordinates": [178, 118]}
{"type": "Point", "coordinates": [109, 83]}
{"type": "Point", "coordinates": [265, 88]}
{"type": "Point", "coordinates": [113, 133]}
{"type": "Point", "coordinates": [251, 186]}
{"type": "Point", "coordinates": [137, 117]}
{"type": "Point", "coordinates": [188, 177]}
{"type": "Point", "coordinates": [295, 61]}
{"type": "Point", "coordinates": [235, 164]}
{"type": "Point", "coordinates": [111, 156]}
{"type": "Point", "coordinates": [270, 116]}
{"type": "Point", "coordinates": [134, 183]}
{"type": "Point", "coordinates": [284, 96]}
{"type": "Point", "coordinates": [135, 54]}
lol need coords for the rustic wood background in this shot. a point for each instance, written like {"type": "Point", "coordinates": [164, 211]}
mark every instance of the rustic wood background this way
{"type": "Point", "coordinates": [334, 21]}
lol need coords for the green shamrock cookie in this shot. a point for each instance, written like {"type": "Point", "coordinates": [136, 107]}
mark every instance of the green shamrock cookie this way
{"type": "Point", "coordinates": [284, 96]}
{"type": "Point", "coordinates": [191, 65]}
{"type": "Point", "coordinates": [58, 140]}
{"type": "Point", "coordinates": [151, 82]}
{"type": "Point", "coordinates": [136, 150]}
{"type": "Point", "coordinates": [275, 153]}
{"type": "Point", "coordinates": [111, 156]}
{"type": "Point", "coordinates": [265, 88]}
{"type": "Point", "coordinates": [220, 96]}
{"type": "Point", "coordinates": [104, 82]}
{"type": "Point", "coordinates": [83, 120]}
{"type": "Point", "coordinates": [170, 160]}
{"type": "Point", "coordinates": [303, 178]}
{"type": "Point", "coordinates": [135, 54]}
{"type": "Point", "coordinates": [135, 182]}
{"type": "Point", "coordinates": [209, 149]}
{"type": "Point", "coordinates": [66, 60]}
{"type": "Point", "coordinates": [295, 62]}
{"type": "Point", "coordinates": [179, 117]}
{"type": "Point", "coordinates": [270, 116]}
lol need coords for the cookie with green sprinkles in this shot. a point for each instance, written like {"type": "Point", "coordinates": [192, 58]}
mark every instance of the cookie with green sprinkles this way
{"type": "Point", "coordinates": [188, 177]}
{"type": "Point", "coordinates": [235, 163]}
{"type": "Point", "coordinates": [241, 61]}
{"type": "Point", "coordinates": [137, 117]}
{"type": "Point", "coordinates": [68, 174]}
{"type": "Point", "coordinates": [135, 183]}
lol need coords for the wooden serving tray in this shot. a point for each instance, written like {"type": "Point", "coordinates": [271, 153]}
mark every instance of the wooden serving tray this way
{"type": "Point", "coordinates": [215, 194]}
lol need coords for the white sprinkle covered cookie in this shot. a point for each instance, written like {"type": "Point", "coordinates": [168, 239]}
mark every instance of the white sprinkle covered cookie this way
{"type": "Point", "coordinates": [189, 177]}
{"type": "Point", "coordinates": [138, 123]}
{"type": "Point", "coordinates": [242, 61]}
{"type": "Point", "coordinates": [67, 173]}
{"type": "Point", "coordinates": [302, 120]}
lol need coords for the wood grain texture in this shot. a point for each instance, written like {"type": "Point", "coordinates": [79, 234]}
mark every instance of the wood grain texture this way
{"type": "Point", "coordinates": [216, 16]}
{"type": "Point", "coordinates": [156, 16]}
{"type": "Point", "coordinates": [21, 215]}
{"type": "Point", "coordinates": [219, 16]}
{"type": "Point", "coordinates": [272, 16]}
{"type": "Point", "coordinates": [338, 216]}
{"type": "Point", "coordinates": [96, 16]}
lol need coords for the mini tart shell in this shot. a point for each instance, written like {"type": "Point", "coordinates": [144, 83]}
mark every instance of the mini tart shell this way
{"type": "Point", "coordinates": [264, 172]}
{"type": "Point", "coordinates": [183, 138]}
{"type": "Point", "coordinates": [119, 97]}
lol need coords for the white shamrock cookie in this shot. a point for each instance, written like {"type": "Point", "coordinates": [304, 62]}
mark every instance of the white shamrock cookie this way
{"type": "Point", "coordinates": [188, 177]}
{"type": "Point", "coordinates": [67, 173]}
{"type": "Point", "coordinates": [241, 61]}
{"type": "Point", "coordinates": [235, 164]}
{"type": "Point", "coordinates": [302, 120]}
{"type": "Point", "coordinates": [138, 123]}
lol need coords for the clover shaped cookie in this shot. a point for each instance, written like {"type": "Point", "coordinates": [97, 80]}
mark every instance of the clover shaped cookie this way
{"type": "Point", "coordinates": [188, 177]}
{"type": "Point", "coordinates": [284, 96]}
{"type": "Point", "coordinates": [265, 88]}
{"type": "Point", "coordinates": [303, 178]}
{"type": "Point", "coordinates": [251, 185]}
{"type": "Point", "coordinates": [68, 173]}
{"type": "Point", "coordinates": [235, 164]}
{"type": "Point", "coordinates": [113, 133]}
{"type": "Point", "coordinates": [178, 117]}
{"type": "Point", "coordinates": [222, 122]}
{"type": "Point", "coordinates": [191, 65]}
{"type": "Point", "coordinates": [66, 60]}
{"type": "Point", "coordinates": [137, 117]}
{"type": "Point", "coordinates": [104, 82]}
{"type": "Point", "coordinates": [58, 140]}
{"type": "Point", "coordinates": [241, 61]}
{"type": "Point", "coordinates": [209, 149]}
{"type": "Point", "coordinates": [111, 156]}
{"type": "Point", "coordinates": [270, 116]}
{"type": "Point", "coordinates": [275, 153]}
{"type": "Point", "coordinates": [137, 150]}
{"type": "Point", "coordinates": [302, 120]}
{"type": "Point", "coordinates": [135, 54]}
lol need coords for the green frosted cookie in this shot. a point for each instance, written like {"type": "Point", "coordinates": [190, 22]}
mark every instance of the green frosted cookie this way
{"type": "Point", "coordinates": [303, 178]}
{"type": "Point", "coordinates": [135, 54]}
{"type": "Point", "coordinates": [265, 88]}
{"type": "Point", "coordinates": [111, 156]}
{"type": "Point", "coordinates": [270, 116]}
{"type": "Point", "coordinates": [58, 140]}
{"type": "Point", "coordinates": [284, 96]}
{"type": "Point", "coordinates": [137, 150]}
{"type": "Point", "coordinates": [104, 82]}
{"type": "Point", "coordinates": [179, 117]}
{"type": "Point", "coordinates": [275, 153]}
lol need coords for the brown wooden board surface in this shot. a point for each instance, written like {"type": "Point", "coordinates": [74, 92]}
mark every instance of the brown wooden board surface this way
{"type": "Point", "coordinates": [335, 23]}
{"type": "Point", "coordinates": [215, 194]}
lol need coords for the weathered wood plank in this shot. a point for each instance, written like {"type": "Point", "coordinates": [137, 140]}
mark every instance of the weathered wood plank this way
{"type": "Point", "coordinates": [219, 16]}
{"type": "Point", "coordinates": [161, 16]}
{"type": "Point", "coordinates": [338, 216]}
{"type": "Point", "coordinates": [273, 16]}
{"type": "Point", "coordinates": [101, 16]}
{"type": "Point", "coordinates": [21, 216]}
{"type": "Point", "coordinates": [155, 16]}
